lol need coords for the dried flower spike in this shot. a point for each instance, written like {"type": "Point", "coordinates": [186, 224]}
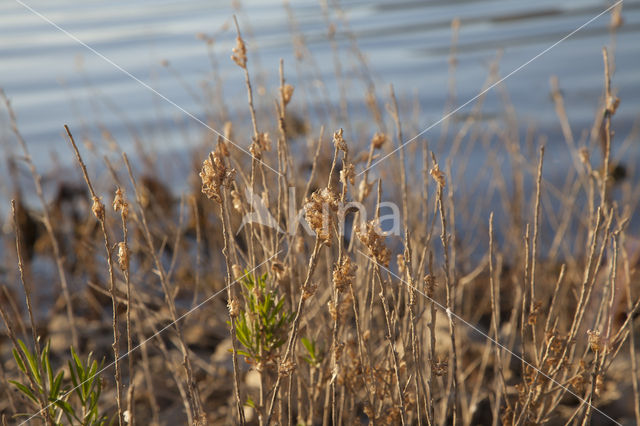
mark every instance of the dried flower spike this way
{"type": "Point", "coordinates": [287, 93]}
{"type": "Point", "coordinates": [239, 55]}
{"type": "Point", "coordinates": [339, 142]}
{"type": "Point", "coordinates": [236, 272]}
{"type": "Point", "coordinates": [286, 368]}
{"type": "Point", "coordinates": [317, 213]}
{"type": "Point", "coordinates": [348, 174]}
{"type": "Point", "coordinates": [214, 175]}
{"type": "Point", "coordinates": [120, 204]}
{"type": "Point", "coordinates": [372, 236]}
{"type": "Point", "coordinates": [344, 274]}
{"type": "Point", "coordinates": [438, 176]}
{"type": "Point", "coordinates": [378, 140]}
{"type": "Point", "coordinates": [429, 284]}
{"type": "Point", "coordinates": [234, 308]}
{"type": "Point", "coordinates": [98, 209]}
{"type": "Point", "coordinates": [596, 342]}
{"type": "Point", "coordinates": [309, 291]}
{"type": "Point", "coordinates": [123, 256]}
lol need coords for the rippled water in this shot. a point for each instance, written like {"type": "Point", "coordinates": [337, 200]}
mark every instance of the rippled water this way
{"type": "Point", "coordinates": [52, 79]}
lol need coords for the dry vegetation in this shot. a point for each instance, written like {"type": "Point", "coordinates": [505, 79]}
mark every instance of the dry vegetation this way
{"type": "Point", "coordinates": [459, 319]}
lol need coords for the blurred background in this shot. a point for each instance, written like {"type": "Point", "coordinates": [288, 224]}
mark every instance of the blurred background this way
{"type": "Point", "coordinates": [51, 79]}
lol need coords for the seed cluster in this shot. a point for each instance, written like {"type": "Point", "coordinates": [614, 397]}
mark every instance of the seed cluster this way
{"type": "Point", "coordinates": [373, 238]}
{"type": "Point", "coordinates": [317, 212]}
{"type": "Point", "coordinates": [214, 175]}
{"type": "Point", "coordinates": [344, 274]}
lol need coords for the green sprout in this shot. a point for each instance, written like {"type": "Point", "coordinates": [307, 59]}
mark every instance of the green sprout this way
{"type": "Point", "coordinates": [261, 326]}
{"type": "Point", "coordinates": [86, 384]}
{"type": "Point", "coordinates": [314, 357]}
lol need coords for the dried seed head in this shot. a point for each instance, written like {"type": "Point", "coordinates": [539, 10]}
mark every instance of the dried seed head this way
{"type": "Point", "coordinates": [373, 238]}
{"type": "Point", "coordinates": [215, 175]}
{"type": "Point", "coordinates": [317, 213]}
{"type": "Point", "coordinates": [596, 341]}
{"type": "Point", "coordinates": [438, 175]}
{"type": "Point", "coordinates": [440, 368]}
{"type": "Point", "coordinates": [364, 189]}
{"type": "Point", "coordinates": [339, 142]}
{"type": "Point", "coordinates": [98, 209]}
{"type": "Point", "coordinates": [612, 105]}
{"type": "Point", "coordinates": [287, 93]}
{"type": "Point", "coordinates": [239, 55]}
{"type": "Point", "coordinates": [123, 256]}
{"type": "Point", "coordinates": [429, 284]}
{"type": "Point", "coordinates": [237, 272]}
{"type": "Point", "coordinates": [309, 290]}
{"type": "Point", "coordinates": [264, 140]}
{"type": "Point", "coordinates": [260, 144]}
{"type": "Point", "coordinates": [120, 204]}
{"type": "Point", "coordinates": [378, 140]}
{"type": "Point", "coordinates": [344, 274]}
{"type": "Point", "coordinates": [401, 264]}
{"type": "Point", "coordinates": [333, 310]}
{"type": "Point", "coordinates": [533, 315]}
{"type": "Point", "coordinates": [348, 174]}
{"type": "Point", "coordinates": [234, 307]}
{"type": "Point", "coordinates": [286, 368]}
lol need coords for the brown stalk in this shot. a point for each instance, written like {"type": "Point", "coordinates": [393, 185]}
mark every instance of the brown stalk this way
{"type": "Point", "coordinates": [99, 212]}
{"type": "Point", "coordinates": [450, 291]}
{"type": "Point", "coordinates": [224, 214]}
{"type": "Point", "coordinates": [313, 262]}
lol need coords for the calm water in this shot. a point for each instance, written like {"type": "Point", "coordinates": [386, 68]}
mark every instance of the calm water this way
{"type": "Point", "coordinates": [53, 80]}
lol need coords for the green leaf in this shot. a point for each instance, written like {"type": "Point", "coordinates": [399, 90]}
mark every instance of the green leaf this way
{"type": "Point", "coordinates": [32, 360]}
{"type": "Point", "coordinates": [77, 361]}
{"type": "Point", "coordinates": [56, 383]}
{"type": "Point", "coordinates": [250, 403]}
{"type": "Point", "coordinates": [21, 366]}
{"type": "Point", "coordinates": [25, 390]}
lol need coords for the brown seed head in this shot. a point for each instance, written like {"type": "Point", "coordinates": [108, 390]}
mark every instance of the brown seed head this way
{"type": "Point", "coordinates": [234, 308]}
{"type": "Point", "coordinates": [286, 368]}
{"type": "Point", "coordinates": [239, 55]}
{"type": "Point", "coordinates": [309, 290]}
{"type": "Point", "coordinates": [364, 189]}
{"type": "Point", "coordinates": [344, 274]}
{"type": "Point", "coordinates": [372, 237]}
{"type": "Point", "coordinates": [348, 174]}
{"type": "Point", "coordinates": [438, 175]}
{"type": "Point", "coordinates": [287, 93]}
{"type": "Point", "coordinates": [123, 256]}
{"type": "Point", "coordinates": [214, 175]}
{"type": "Point", "coordinates": [378, 140]}
{"type": "Point", "coordinates": [317, 213]}
{"type": "Point", "coordinates": [98, 209]}
{"type": "Point", "coordinates": [596, 342]}
{"type": "Point", "coordinates": [237, 272]}
{"type": "Point", "coordinates": [120, 204]}
{"type": "Point", "coordinates": [339, 142]}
